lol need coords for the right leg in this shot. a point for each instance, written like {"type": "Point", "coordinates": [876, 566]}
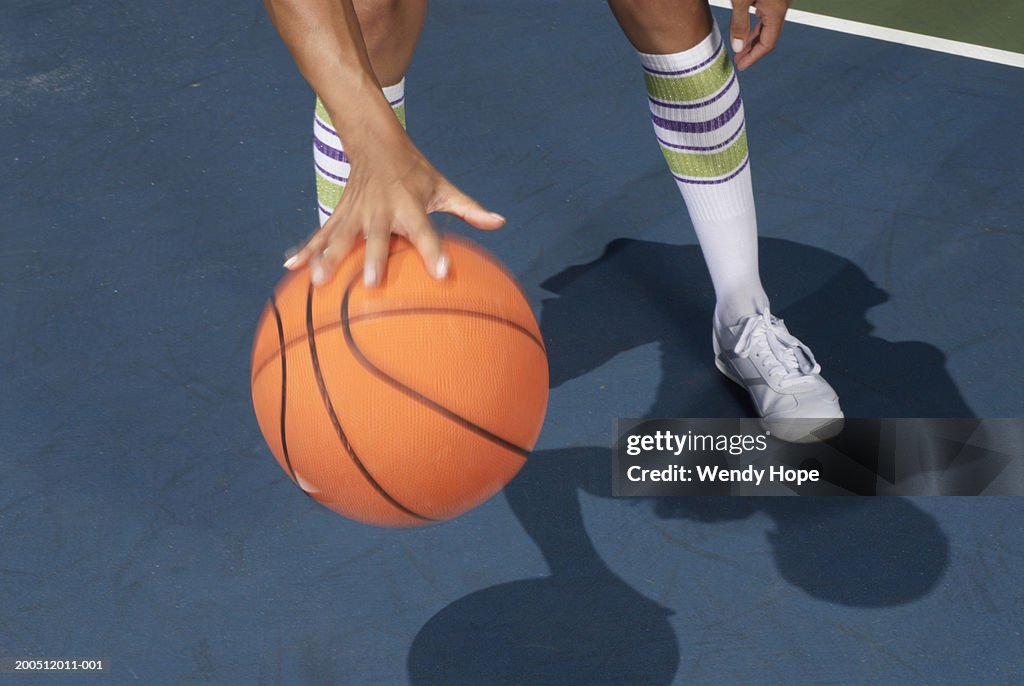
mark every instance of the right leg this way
{"type": "Point", "coordinates": [391, 29]}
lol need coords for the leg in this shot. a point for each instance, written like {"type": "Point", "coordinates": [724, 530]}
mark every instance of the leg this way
{"type": "Point", "coordinates": [391, 29]}
{"type": "Point", "coordinates": [698, 118]}
{"type": "Point", "coordinates": [662, 27]}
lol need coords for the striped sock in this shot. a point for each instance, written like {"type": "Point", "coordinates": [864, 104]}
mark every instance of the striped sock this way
{"type": "Point", "coordinates": [329, 159]}
{"type": "Point", "coordinates": [698, 118]}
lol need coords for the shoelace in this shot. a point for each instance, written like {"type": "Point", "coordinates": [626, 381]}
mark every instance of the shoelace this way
{"type": "Point", "coordinates": [766, 336]}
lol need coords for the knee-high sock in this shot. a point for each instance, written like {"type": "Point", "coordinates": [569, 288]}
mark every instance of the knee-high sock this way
{"type": "Point", "coordinates": [698, 118]}
{"type": "Point", "coordinates": [331, 164]}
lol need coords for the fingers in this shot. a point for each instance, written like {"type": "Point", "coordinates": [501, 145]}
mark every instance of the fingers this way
{"type": "Point", "coordinates": [378, 243]}
{"type": "Point", "coordinates": [739, 25]}
{"type": "Point", "coordinates": [330, 245]}
{"type": "Point", "coordinates": [323, 263]}
{"type": "Point", "coordinates": [760, 45]}
{"type": "Point", "coordinates": [422, 235]}
{"type": "Point", "coordinates": [373, 215]}
{"type": "Point", "coordinates": [765, 35]}
{"type": "Point", "coordinates": [742, 58]}
{"type": "Point", "coordinates": [453, 201]}
{"type": "Point", "coordinates": [322, 251]}
{"type": "Point", "coordinates": [297, 257]}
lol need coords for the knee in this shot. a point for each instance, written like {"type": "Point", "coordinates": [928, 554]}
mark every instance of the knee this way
{"type": "Point", "coordinates": [657, 12]}
{"type": "Point", "coordinates": [662, 25]}
{"type": "Point", "coordinates": [377, 18]}
{"type": "Point", "coordinates": [390, 29]}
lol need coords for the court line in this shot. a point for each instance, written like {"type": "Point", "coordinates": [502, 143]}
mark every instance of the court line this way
{"type": "Point", "coordinates": [918, 40]}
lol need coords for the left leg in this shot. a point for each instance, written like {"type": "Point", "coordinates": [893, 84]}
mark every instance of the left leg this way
{"type": "Point", "coordinates": [698, 118]}
{"type": "Point", "coordinates": [699, 121]}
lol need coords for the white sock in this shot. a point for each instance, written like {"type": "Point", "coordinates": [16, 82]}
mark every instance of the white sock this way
{"type": "Point", "coordinates": [697, 112]}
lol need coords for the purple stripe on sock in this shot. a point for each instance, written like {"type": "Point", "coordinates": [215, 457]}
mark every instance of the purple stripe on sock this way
{"type": "Point", "coordinates": [703, 148]}
{"type": "Point", "coordinates": [690, 106]}
{"type": "Point", "coordinates": [699, 126]}
{"type": "Point", "coordinates": [325, 127]}
{"type": "Point", "coordinates": [658, 72]}
{"type": "Point", "coordinates": [340, 179]}
{"type": "Point", "coordinates": [324, 209]}
{"type": "Point", "coordinates": [333, 153]}
{"type": "Point", "coordinates": [706, 182]}
{"type": "Point", "coordinates": [396, 103]}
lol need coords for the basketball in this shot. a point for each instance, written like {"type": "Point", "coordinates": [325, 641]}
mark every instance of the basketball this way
{"type": "Point", "coordinates": [407, 403]}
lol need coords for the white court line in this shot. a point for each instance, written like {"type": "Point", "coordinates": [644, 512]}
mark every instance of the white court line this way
{"type": "Point", "coordinates": [951, 47]}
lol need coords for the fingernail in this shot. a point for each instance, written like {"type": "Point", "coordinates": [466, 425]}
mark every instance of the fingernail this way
{"type": "Point", "coordinates": [737, 45]}
{"type": "Point", "coordinates": [497, 216]}
{"type": "Point", "coordinates": [441, 270]}
{"type": "Point", "coordinates": [317, 274]}
{"type": "Point", "coordinates": [290, 260]}
{"type": "Point", "coordinates": [369, 275]}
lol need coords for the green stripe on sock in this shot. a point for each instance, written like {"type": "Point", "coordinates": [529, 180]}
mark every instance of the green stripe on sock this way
{"type": "Point", "coordinates": [697, 86]}
{"type": "Point", "coordinates": [328, 191]}
{"type": "Point", "coordinates": [705, 166]}
{"type": "Point", "coordinates": [321, 112]}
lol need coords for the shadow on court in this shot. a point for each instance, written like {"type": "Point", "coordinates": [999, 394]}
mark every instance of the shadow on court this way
{"type": "Point", "coordinates": [583, 623]}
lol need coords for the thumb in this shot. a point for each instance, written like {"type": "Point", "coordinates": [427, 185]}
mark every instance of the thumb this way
{"type": "Point", "coordinates": [453, 201]}
{"type": "Point", "coordinates": [739, 26]}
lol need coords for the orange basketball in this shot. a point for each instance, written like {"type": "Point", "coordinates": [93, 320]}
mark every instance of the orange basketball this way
{"type": "Point", "coordinates": [404, 404]}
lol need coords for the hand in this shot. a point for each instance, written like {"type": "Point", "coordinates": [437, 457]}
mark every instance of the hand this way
{"type": "Point", "coordinates": [390, 192]}
{"type": "Point", "coordinates": [751, 45]}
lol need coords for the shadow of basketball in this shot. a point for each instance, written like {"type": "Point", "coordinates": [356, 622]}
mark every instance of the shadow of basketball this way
{"type": "Point", "coordinates": [590, 628]}
{"type": "Point", "coordinates": [584, 624]}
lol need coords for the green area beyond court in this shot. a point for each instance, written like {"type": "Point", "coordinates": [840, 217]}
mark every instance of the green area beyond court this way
{"type": "Point", "coordinates": [993, 24]}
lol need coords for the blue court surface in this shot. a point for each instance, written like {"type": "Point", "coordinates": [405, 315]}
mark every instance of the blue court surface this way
{"type": "Point", "coordinates": [156, 164]}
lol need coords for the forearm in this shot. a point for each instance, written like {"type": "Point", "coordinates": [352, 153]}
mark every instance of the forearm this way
{"type": "Point", "coordinates": [326, 42]}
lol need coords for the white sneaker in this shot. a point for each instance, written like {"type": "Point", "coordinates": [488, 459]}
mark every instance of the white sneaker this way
{"type": "Point", "coordinates": [782, 377]}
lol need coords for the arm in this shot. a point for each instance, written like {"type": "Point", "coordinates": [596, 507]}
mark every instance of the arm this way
{"type": "Point", "coordinates": [392, 186]}
{"type": "Point", "coordinates": [325, 40]}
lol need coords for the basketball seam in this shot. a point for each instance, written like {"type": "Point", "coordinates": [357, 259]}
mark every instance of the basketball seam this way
{"type": "Point", "coordinates": [284, 394]}
{"type": "Point", "coordinates": [412, 393]}
{"type": "Point", "coordinates": [413, 310]}
{"type": "Point", "coordinates": [321, 384]}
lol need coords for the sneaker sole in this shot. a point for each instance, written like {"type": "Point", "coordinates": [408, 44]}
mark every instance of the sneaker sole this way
{"type": "Point", "coordinates": [811, 430]}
